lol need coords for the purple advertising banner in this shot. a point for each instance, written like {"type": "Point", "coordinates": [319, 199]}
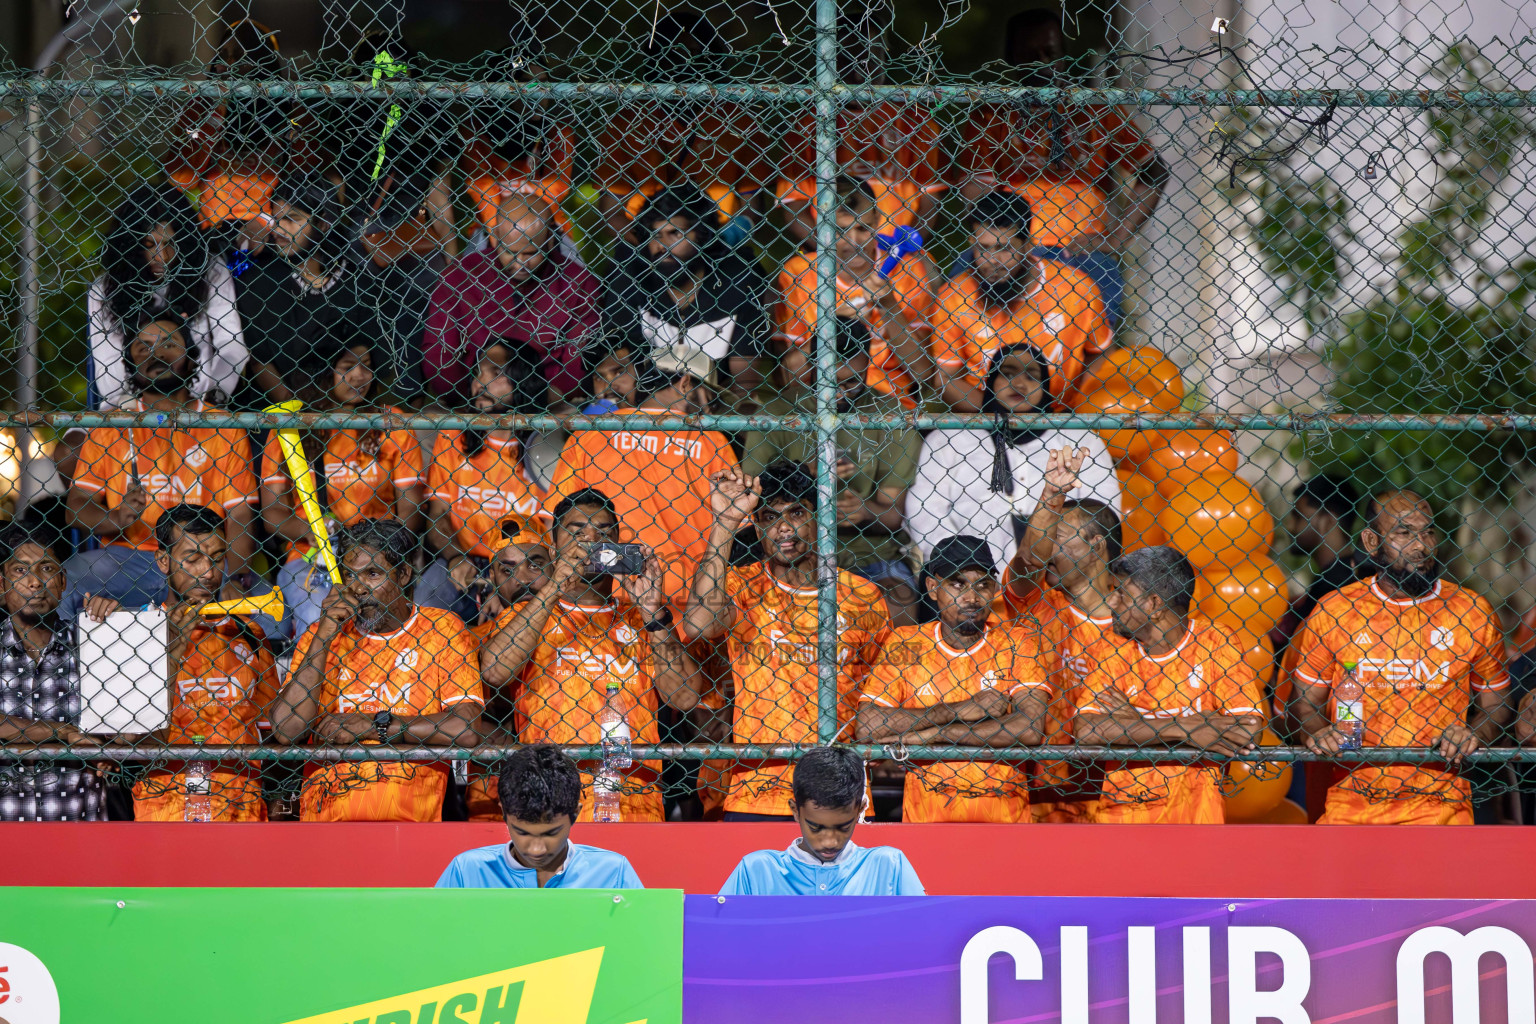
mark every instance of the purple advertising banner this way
{"type": "Point", "coordinates": [1020, 960]}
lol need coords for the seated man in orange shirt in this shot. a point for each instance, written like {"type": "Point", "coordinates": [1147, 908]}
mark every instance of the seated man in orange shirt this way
{"type": "Point", "coordinates": [223, 679]}
{"type": "Point", "coordinates": [1090, 174]}
{"type": "Point", "coordinates": [1181, 682]}
{"type": "Point", "coordinates": [570, 643]}
{"type": "Point", "coordinates": [378, 669]}
{"type": "Point", "coordinates": [1429, 656]}
{"type": "Point", "coordinates": [961, 681]}
{"type": "Point", "coordinates": [125, 479]}
{"type": "Point", "coordinates": [892, 299]}
{"type": "Point", "coordinates": [1011, 296]}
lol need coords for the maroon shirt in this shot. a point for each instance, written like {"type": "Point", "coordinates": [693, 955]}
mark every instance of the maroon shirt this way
{"type": "Point", "coordinates": [555, 313]}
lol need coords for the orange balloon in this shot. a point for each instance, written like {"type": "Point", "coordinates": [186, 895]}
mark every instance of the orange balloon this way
{"type": "Point", "coordinates": [1259, 655]}
{"type": "Point", "coordinates": [1286, 812]}
{"type": "Point", "coordinates": [1186, 455]}
{"type": "Point", "coordinates": [1127, 447]}
{"type": "Point", "coordinates": [1256, 787]}
{"type": "Point", "coordinates": [1218, 519]}
{"type": "Point", "coordinates": [1143, 368]}
{"type": "Point", "coordinates": [1249, 597]}
{"type": "Point", "coordinates": [1139, 506]}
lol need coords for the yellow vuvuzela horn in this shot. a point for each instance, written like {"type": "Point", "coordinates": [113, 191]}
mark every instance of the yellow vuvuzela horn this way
{"type": "Point", "coordinates": [262, 604]}
{"type": "Point", "coordinates": [304, 482]}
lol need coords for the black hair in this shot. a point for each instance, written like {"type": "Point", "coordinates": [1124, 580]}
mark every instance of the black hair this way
{"type": "Point", "coordinates": [1333, 494]}
{"type": "Point", "coordinates": [1027, 21]}
{"type": "Point", "coordinates": [1160, 571]}
{"type": "Point", "coordinates": [688, 202]}
{"type": "Point", "coordinates": [1001, 210]}
{"type": "Point", "coordinates": [854, 195]}
{"type": "Point", "coordinates": [788, 482]}
{"type": "Point", "coordinates": [829, 777]}
{"type": "Point", "coordinates": [318, 392]}
{"type": "Point", "coordinates": [529, 379]}
{"type": "Point", "coordinates": [1099, 520]}
{"type": "Point", "coordinates": [587, 497]}
{"type": "Point", "coordinates": [198, 519]}
{"type": "Point", "coordinates": [539, 784]}
{"type": "Point", "coordinates": [25, 531]}
{"type": "Point", "coordinates": [389, 537]}
{"type": "Point", "coordinates": [130, 286]}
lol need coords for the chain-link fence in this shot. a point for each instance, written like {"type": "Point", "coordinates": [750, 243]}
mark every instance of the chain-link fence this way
{"type": "Point", "coordinates": [1092, 412]}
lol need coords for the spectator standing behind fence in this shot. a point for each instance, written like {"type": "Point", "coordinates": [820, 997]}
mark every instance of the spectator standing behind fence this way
{"type": "Point", "coordinates": [1088, 172]}
{"type": "Point", "coordinates": [222, 676]}
{"type": "Point", "coordinates": [478, 480]}
{"type": "Point", "coordinates": [614, 380]}
{"type": "Point", "coordinates": [522, 290]}
{"type": "Point", "coordinates": [376, 668]}
{"type": "Point", "coordinates": [1181, 682]}
{"type": "Point", "coordinates": [399, 263]}
{"type": "Point", "coordinates": [1010, 296]}
{"type": "Point", "coordinates": [827, 801]}
{"type": "Point", "coordinates": [1430, 657]}
{"type": "Point", "coordinates": [979, 482]}
{"type": "Point", "coordinates": [1324, 514]}
{"type": "Point", "coordinates": [156, 261]}
{"type": "Point", "coordinates": [893, 304]}
{"type": "Point", "coordinates": [659, 479]}
{"type": "Point", "coordinates": [874, 467]}
{"type": "Point", "coordinates": [541, 792]}
{"type": "Point", "coordinates": [768, 614]}
{"type": "Point", "coordinates": [961, 681]}
{"type": "Point", "coordinates": [40, 688]}
{"type": "Point", "coordinates": [579, 641]}
{"type": "Point", "coordinates": [125, 478]}
{"type": "Point", "coordinates": [369, 473]}
{"type": "Point", "coordinates": [678, 288]}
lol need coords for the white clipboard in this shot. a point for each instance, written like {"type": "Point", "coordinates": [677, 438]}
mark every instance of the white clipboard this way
{"type": "Point", "coordinates": [123, 686]}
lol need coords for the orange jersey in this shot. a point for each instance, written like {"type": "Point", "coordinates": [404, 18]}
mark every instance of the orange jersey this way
{"type": "Point", "coordinates": [917, 669]}
{"type": "Point", "coordinates": [719, 147]}
{"type": "Point", "coordinates": [659, 483]}
{"type": "Point", "coordinates": [1062, 316]}
{"type": "Point", "coordinates": [428, 665]}
{"type": "Point", "coordinates": [1060, 160]}
{"type": "Point", "coordinates": [358, 485]}
{"type": "Point", "coordinates": [772, 648]}
{"type": "Point", "coordinates": [1205, 673]}
{"type": "Point", "coordinates": [489, 178]}
{"type": "Point", "coordinates": [897, 199]}
{"type": "Point", "coordinates": [796, 315]}
{"type": "Point", "coordinates": [481, 490]}
{"type": "Point", "coordinates": [222, 694]}
{"type": "Point", "coordinates": [198, 466]}
{"type": "Point", "coordinates": [1420, 662]}
{"type": "Point", "coordinates": [565, 686]}
{"type": "Point", "coordinates": [894, 141]}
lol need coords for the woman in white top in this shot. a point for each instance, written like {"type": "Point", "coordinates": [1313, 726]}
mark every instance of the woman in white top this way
{"type": "Point", "coordinates": [985, 482]}
{"type": "Point", "coordinates": [157, 260]}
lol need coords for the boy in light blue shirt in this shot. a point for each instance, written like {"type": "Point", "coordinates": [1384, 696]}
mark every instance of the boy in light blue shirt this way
{"type": "Point", "coordinates": [540, 792]}
{"type": "Point", "coordinates": [828, 801]}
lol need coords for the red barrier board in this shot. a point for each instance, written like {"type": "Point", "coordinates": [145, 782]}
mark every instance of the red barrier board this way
{"type": "Point", "coordinates": [1276, 861]}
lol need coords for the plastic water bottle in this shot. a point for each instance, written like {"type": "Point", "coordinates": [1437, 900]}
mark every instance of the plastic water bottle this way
{"type": "Point", "coordinates": [199, 802]}
{"type": "Point", "coordinates": [605, 794]}
{"type": "Point", "coordinates": [613, 720]}
{"type": "Point", "coordinates": [1349, 708]}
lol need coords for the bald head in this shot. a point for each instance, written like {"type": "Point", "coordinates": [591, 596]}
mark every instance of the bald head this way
{"type": "Point", "coordinates": [1400, 538]}
{"type": "Point", "coordinates": [520, 235]}
{"type": "Point", "coordinates": [1386, 507]}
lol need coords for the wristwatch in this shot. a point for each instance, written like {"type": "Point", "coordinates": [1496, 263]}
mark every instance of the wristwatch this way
{"type": "Point", "coordinates": [383, 721]}
{"type": "Point", "coordinates": [661, 622]}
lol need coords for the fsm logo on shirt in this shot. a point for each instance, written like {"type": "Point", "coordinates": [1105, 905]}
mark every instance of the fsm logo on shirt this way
{"type": "Point", "coordinates": [1442, 639]}
{"type": "Point", "coordinates": [28, 994]}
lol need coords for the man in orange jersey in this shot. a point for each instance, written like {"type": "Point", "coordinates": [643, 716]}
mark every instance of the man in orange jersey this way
{"type": "Point", "coordinates": [477, 481]}
{"type": "Point", "coordinates": [894, 305]}
{"type": "Point", "coordinates": [1011, 296]}
{"type": "Point", "coordinates": [1429, 655]}
{"type": "Point", "coordinates": [378, 669]}
{"type": "Point", "coordinates": [961, 681]}
{"type": "Point", "coordinates": [223, 679]}
{"type": "Point", "coordinates": [1181, 682]}
{"type": "Point", "coordinates": [768, 614]}
{"type": "Point", "coordinates": [125, 479]}
{"type": "Point", "coordinates": [1089, 173]}
{"type": "Point", "coordinates": [659, 478]}
{"type": "Point", "coordinates": [579, 643]}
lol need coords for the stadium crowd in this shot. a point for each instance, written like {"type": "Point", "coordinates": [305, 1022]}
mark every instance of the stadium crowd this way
{"type": "Point", "coordinates": [997, 586]}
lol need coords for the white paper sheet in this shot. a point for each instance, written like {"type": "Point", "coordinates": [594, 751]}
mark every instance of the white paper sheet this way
{"type": "Point", "coordinates": [122, 673]}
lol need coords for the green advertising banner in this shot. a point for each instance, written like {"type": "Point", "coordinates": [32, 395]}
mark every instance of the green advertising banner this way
{"type": "Point", "coordinates": [340, 956]}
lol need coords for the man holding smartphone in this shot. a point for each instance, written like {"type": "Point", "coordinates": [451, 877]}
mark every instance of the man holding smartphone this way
{"type": "Point", "coordinates": [580, 641]}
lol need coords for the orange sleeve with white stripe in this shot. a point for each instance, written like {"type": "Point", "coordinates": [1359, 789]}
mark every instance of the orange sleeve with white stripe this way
{"type": "Point", "coordinates": [440, 480]}
{"type": "Point", "coordinates": [264, 695]}
{"type": "Point", "coordinates": [232, 481]}
{"type": "Point", "coordinates": [901, 658]}
{"type": "Point", "coordinates": [1035, 664]}
{"type": "Point", "coordinates": [452, 669]}
{"type": "Point", "coordinates": [1314, 660]}
{"type": "Point", "coordinates": [1237, 687]}
{"type": "Point", "coordinates": [1110, 672]}
{"type": "Point", "coordinates": [404, 451]}
{"type": "Point", "coordinates": [950, 344]}
{"type": "Point", "coordinates": [1488, 671]}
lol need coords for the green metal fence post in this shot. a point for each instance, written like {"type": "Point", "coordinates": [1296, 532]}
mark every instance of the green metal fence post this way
{"type": "Point", "coordinates": [826, 371]}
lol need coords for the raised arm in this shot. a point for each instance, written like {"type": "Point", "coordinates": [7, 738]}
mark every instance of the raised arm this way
{"type": "Point", "coordinates": [676, 677]}
{"type": "Point", "coordinates": [509, 648]}
{"type": "Point", "coordinates": [733, 497]}
{"type": "Point", "coordinates": [297, 709]}
{"type": "Point", "coordinates": [1040, 535]}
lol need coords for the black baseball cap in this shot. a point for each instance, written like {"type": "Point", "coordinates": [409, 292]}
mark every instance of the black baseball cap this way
{"type": "Point", "coordinates": [953, 555]}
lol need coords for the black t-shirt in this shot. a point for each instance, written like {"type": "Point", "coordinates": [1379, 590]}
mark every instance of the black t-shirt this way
{"type": "Point", "coordinates": [293, 327]}
{"type": "Point", "coordinates": [728, 316]}
{"type": "Point", "coordinates": [1346, 569]}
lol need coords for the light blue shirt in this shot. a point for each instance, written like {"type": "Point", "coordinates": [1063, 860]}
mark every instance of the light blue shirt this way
{"type": "Point", "coordinates": [585, 867]}
{"type": "Point", "coordinates": [877, 871]}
